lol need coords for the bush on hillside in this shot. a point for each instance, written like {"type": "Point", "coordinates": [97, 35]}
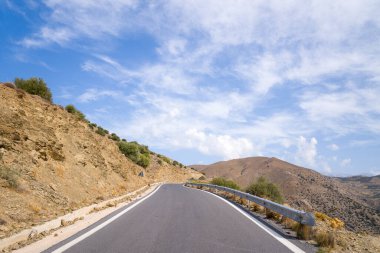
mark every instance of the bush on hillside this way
{"type": "Point", "coordinates": [92, 125]}
{"type": "Point", "coordinates": [130, 150]}
{"type": "Point", "coordinates": [71, 109]}
{"type": "Point", "coordinates": [142, 148]}
{"type": "Point", "coordinates": [225, 182]}
{"type": "Point", "coordinates": [165, 159]}
{"type": "Point", "coordinates": [265, 189]}
{"type": "Point", "coordinates": [9, 176]}
{"type": "Point", "coordinates": [101, 131]}
{"type": "Point", "coordinates": [34, 86]}
{"type": "Point", "coordinates": [114, 137]}
{"type": "Point", "coordinates": [139, 154]}
{"type": "Point", "coordinates": [144, 160]}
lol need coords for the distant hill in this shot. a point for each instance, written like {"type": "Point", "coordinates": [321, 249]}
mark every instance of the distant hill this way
{"type": "Point", "coordinates": [306, 189]}
{"type": "Point", "coordinates": [366, 188]}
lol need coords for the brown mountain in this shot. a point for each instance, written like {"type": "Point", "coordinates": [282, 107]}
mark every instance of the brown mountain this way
{"type": "Point", "coordinates": [51, 163]}
{"type": "Point", "coordinates": [303, 188]}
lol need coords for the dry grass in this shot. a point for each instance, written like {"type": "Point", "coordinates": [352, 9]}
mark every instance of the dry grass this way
{"type": "Point", "coordinates": [325, 239]}
{"type": "Point", "coordinates": [288, 223]}
{"type": "Point", "coordinates": [333, 222]}
{"type": "Point", "coordinates": [304, 232]}
{"type": "Point", "coordinates": [35, 207]}
{"type": "Point", "coordinates": [60, 171]}
{"type": "Point", "coordinates": [9, 176]}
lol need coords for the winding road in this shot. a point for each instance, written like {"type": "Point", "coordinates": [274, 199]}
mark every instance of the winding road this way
{"type": "Point", "coordinates": [174, 218]}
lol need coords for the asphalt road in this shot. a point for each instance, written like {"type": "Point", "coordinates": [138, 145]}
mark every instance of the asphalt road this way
{"type": "Point", "coordinates": [177, 219]}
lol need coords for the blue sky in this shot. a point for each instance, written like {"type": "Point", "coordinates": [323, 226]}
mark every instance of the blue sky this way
{"type": "Point", "coordinates": [204, 81]}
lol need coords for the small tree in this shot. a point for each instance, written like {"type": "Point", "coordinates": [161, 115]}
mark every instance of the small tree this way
{"type": "Point", "coordinates": [265, 189]}
{"type": "Point", "coordinates": [35, 86]}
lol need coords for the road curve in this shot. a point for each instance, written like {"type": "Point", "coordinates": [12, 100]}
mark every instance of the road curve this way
{"type": "Point", "coordinates": [177, 219]}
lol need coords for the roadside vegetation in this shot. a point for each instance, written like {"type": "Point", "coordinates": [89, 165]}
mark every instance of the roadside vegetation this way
{"type": "Point", "coordinates": [225, 182]}
{"type": "Point", "coordinates": [265, 189]}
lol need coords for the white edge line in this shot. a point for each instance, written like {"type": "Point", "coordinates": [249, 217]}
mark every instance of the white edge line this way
{"type": "Point", "coordinates": [270, 231]}
{"type": "Point", "coordinates": [97, 228]}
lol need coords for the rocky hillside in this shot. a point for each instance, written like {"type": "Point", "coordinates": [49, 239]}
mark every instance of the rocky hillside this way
{"type": "Point", "coordinates": [365, 188]}
{"type": "Point", "coordinates": [303, 188]}
{"type": "Point", "coordinates": [51, 162]}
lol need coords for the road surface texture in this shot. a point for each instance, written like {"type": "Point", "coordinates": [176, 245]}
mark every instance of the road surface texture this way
{"type": "Point", "coordinates": [177, 219]}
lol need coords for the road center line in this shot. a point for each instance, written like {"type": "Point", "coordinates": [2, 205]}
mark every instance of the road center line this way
{"type": "Point", "coordinates": [270, 231]}
{"type": "Point", "coordinates": [102, 225]}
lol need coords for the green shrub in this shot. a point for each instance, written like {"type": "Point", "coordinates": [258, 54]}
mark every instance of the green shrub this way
{"type": "Point", "coordinates": [114, 137]}
{"type": "Point", "coordinates": [130, 150]}
{"type": "Point", "coordinates": [265, 189]}
{"type": "Point", "coordinates": [9, 176]}
{"type": "Point", "coordinates": [224, 182]}
{"type": "Point", "coordinates": [101, 131]}
{"type": "Point", "coordinates": [202, 178]}
{"type": "Point", "coordinates": [92, 125]}
{"type": "Point", "coordinates": [139, 154]}
{"type": "Point", "coordinates": [71, 109]}
{"type": "Point", "coordinates": [165, 159]}
{"type": "Point", "coordinates": [35, 86]}
{"type": "Point", "coordinates": [144, 160]}
{"type": "Point", "coordinates": [160, 162]}
{"type": "Point", "coordinates": [144, 149]}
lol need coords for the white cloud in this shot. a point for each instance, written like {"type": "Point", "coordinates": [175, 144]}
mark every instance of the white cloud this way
{"type": "Point", "coordinates": [73, 19]}
{"type": "Point", "coordinates": [265, 72]}
{"type": "Point", "coordinates": [307, 151]}
{"type": "Point", "coordinates": [227, 146]}
{"type": "Point", "coordinates": [374, 172]}
{"type": "Point", "coordinates": [345, 162]}
{"type": "Point", "coordinates": [95, 94]}
{"type": "Point", "coordinates": [333, 147]}
{"type": "Point", "coordinates": [343, 112]}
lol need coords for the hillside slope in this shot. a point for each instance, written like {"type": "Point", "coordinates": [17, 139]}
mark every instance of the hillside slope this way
{"type": "Point", "coordinates": [303, 188]}
{"type": "Point", "coordinates": [365, 188]}
{"type": "Point", "coordinates": [51, 163]}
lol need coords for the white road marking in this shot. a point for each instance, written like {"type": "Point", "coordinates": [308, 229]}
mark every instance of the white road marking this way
{"type": "Point", "coordinates": [270, 231]}
{"type": "Point", "coordinates": [100, 226]}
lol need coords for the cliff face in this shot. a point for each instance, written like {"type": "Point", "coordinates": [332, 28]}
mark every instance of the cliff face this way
{"type": "Point", "coordinates": [303, 188]}
{"type": "Point", "coordinates": [52, 163]}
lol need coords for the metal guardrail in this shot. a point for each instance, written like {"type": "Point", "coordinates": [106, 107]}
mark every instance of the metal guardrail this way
{"type": "Point", "coordinates": [294, 214]}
